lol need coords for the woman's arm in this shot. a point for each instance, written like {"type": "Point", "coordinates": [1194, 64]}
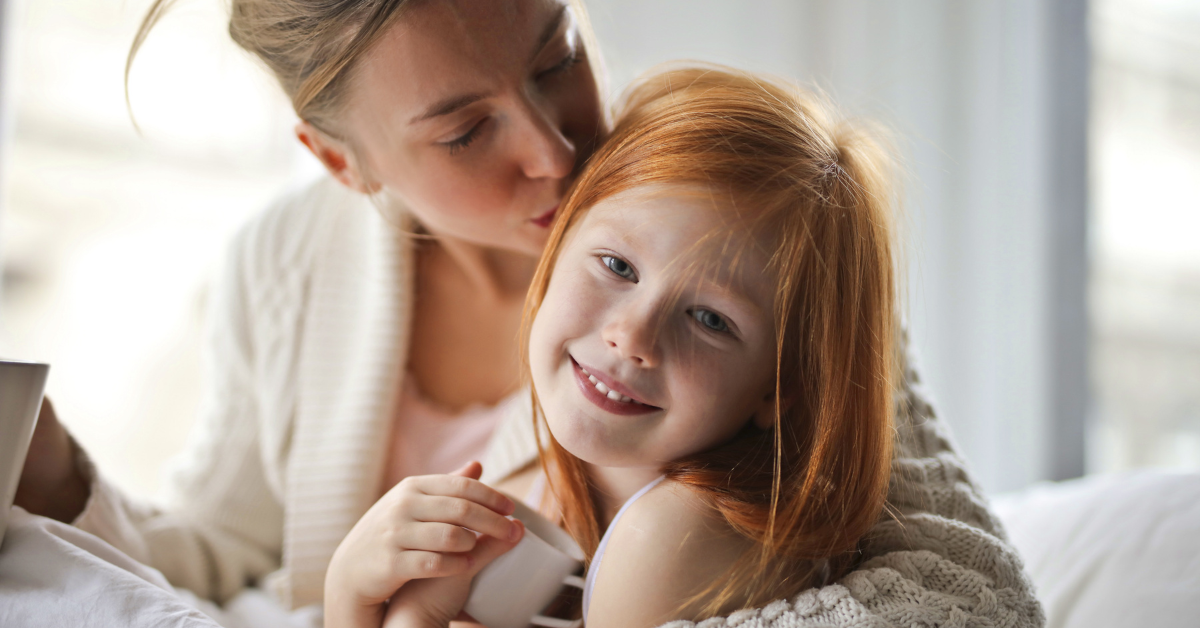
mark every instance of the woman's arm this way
{"type": "Point", "coordinates": [945, 560]}
{"type": "Point", "coordinates": [221, 526]}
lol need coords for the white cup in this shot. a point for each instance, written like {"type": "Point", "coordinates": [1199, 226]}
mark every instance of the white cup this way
{"type": "Point", "coordinates": [512, 590]}
{"type": "Point", "coordinates": [21, 386]}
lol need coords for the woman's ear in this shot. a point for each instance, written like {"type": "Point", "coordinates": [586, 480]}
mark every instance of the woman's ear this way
{"type": "Point", "coordinates": [336, 156]}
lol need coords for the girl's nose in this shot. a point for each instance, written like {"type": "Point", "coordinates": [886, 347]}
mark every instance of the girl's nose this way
{"type": "Point", "coordinates": [634, 337]}
{"type": "Point", "coordinates": [548, 153]}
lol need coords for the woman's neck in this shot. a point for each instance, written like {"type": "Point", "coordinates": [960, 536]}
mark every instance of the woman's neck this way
{"type": "Point", "coordinates": [494, 273]}
{"type": "Point", "coordinates": [615, 485]}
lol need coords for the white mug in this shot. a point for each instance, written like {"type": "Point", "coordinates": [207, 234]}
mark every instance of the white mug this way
{"type": "Point", "coordinates": [21, 386]}
{"type": "Point", "coordinates": [512, 590]}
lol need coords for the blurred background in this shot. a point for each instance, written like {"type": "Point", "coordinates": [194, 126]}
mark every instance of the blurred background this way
{"type": "Point", "coordinates": [1052, 210]}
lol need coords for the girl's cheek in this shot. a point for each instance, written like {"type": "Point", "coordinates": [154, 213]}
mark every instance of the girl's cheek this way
{"type": "Point", "coordinates": [579, 297]}
{"type": "Point", "coordinates": [707, 379]}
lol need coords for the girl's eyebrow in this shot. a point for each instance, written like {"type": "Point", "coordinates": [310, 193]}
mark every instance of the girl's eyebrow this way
{"type": "Point", "coordinates": [608, 227]}
{"type": "Point", "coordinates": [739, 298]}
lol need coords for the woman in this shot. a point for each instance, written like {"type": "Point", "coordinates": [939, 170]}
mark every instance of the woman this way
{"type": "Point", "coordinates": [346, 353]}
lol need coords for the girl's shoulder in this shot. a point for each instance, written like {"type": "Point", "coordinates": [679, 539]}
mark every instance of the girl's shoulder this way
{"type": "Point", "coordinates": [668, 546]}
{"type": "Point", "coordinates": [670, 508]}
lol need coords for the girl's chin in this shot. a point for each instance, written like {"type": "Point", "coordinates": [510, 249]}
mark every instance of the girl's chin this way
{"type": "Point", "coordinates": [595, 446]}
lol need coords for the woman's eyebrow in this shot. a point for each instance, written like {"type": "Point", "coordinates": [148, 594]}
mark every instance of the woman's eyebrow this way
{"type": "Point", "coordinates": [454, 103]}
{"type": "Point", "coordinates": [447, 106]}
{"type": "Point", "coordinates": [548, 31]}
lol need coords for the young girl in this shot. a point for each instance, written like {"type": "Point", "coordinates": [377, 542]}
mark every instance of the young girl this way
{"type": "Point", "coordinates": [710, 340]}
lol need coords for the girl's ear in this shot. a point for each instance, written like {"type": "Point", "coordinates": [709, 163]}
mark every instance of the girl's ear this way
{"type": "Point", "coordinates": [764, 417]}
{"type": "Point", "coordinates": [336, 156]}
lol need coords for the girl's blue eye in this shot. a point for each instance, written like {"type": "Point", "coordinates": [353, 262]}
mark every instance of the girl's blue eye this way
{"type": "Point", "coordinates": [710, 320]}
{"type": "Point", "coordinates": [619, 267]}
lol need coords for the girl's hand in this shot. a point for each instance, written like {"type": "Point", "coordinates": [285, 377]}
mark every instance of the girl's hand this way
{"type": "Point", "coordinates": [435, 602]}
{"type": "Point", "coordinates": [425, 527]}
{"type": "Point", "coordinates": [51, 484]}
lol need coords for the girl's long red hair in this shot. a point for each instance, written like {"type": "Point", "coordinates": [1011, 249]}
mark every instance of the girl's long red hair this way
{"type": "Point", "coordinates": [807, 490]}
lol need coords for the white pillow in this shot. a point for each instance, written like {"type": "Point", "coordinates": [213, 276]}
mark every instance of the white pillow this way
{"type": "Point", "coordinates": [1119, 550]}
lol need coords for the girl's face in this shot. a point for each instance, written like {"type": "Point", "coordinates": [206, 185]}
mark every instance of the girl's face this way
{"type": "Point", "coordinates": [477, 116]}
{"type": "Point", "coordinates": [651, 343]}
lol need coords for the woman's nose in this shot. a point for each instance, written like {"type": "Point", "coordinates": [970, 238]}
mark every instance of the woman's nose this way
{"type": "Point", "coordinates": [634, 337]}
{"type": "Point", "coordinates": [549, 153]}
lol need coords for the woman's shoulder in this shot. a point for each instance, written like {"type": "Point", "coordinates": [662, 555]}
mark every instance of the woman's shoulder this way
{"type": "Point", "coordinates": [291, 227]}
{"type": "Point", "coordinates": [668, 546]}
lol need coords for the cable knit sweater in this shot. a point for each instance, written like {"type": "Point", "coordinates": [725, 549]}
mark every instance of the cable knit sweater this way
{"type": "Point", "coordinates": [944, 561]}
{"type": "Point", "coordinates": [307, 340]}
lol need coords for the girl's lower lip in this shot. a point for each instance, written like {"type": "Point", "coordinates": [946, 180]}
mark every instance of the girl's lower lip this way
{"type": "Point", "coordinates": [603, 402]}
{"type": "Point", "coordinates": [546, 219]}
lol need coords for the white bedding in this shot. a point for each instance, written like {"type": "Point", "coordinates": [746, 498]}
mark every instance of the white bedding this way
{"type": "Point", "coordinates": [1119, 551]}
{"type": "Point", "coordinates": [54, 575]}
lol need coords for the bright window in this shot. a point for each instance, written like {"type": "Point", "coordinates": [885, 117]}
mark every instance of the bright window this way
{"type": "Point", "coordinates": [1145, 290]}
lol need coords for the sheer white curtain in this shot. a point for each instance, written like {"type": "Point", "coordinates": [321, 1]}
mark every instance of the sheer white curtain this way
{"type": "Point", "coordinates": [990, 97]}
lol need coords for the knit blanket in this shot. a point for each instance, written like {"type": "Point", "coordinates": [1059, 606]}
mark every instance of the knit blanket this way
{"type": "Point", "coordinates": [944, 560]}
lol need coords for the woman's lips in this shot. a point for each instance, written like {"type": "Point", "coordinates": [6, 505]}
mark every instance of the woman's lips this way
{"type": "Point", "coordinates": [603, 400]}
{"type": "Point", "coordinates": [546, 219]}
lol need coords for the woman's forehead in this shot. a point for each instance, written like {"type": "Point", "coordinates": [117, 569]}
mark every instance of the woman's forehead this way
{"type": "Point", "coordinates": [446, 52]}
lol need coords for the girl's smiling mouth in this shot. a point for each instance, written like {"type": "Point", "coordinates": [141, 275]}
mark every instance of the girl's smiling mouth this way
{"type": "Point", "coordinates": [608, 394]}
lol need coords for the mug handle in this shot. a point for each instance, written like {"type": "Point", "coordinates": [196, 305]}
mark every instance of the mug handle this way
{"type": "Point", "coordinates": [554, 622]}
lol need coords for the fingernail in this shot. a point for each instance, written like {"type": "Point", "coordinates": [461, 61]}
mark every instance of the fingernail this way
{"type": "Point", "coordinates": [515, 532]}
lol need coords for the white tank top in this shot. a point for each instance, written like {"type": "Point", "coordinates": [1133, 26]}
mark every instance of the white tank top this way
{"type": "Point", "coordinates": [594, 568]}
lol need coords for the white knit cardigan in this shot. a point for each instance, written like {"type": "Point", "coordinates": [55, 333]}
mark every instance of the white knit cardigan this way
{"type": "Point", "coordinates": [306, 347]}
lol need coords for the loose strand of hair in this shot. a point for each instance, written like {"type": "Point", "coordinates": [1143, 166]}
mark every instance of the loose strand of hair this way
{"type": "Point", "coordinates": [154, 14]}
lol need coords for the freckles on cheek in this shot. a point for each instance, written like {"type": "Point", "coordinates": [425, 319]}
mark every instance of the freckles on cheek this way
{"type": "Point", "coordinates": [704, 379]}
{"type": "Point", "coordinates": [573, 301]}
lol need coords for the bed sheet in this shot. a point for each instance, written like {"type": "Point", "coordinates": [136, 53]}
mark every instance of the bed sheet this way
{"type": "Point", "coordinates": [52, 574]}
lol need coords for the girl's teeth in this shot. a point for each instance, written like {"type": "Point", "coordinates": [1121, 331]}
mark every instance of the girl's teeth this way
{"type": "Point", "coordinates": [605, 390]}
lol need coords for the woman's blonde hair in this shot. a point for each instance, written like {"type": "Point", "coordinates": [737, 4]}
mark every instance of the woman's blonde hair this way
{"type": "Point", "coordinates": [807, 490]}
{"type": "Point", "coordinates": [312, 46]}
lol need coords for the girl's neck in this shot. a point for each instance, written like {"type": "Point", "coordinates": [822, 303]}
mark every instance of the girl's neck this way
{"type": "Point", "coordinates": [494, 273]}
{"type": "Point", "coordinates": [615, 485]}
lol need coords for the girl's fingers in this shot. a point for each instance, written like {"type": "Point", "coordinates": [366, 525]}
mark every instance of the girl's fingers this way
{"type": "Point", "coordinates": [464, 488]}
{"type": "Point", "coordinates": [412, 565]}
{"type": "Point", "coordinates": [472, 470]}
{"type": "Point", "coordinates": [437, 537]}
{"type": "Point", "coordinates": [489, 549]}
{"type": "Point", "coordinates": [467, 514]}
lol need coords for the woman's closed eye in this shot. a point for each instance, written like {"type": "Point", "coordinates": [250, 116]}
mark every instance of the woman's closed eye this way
{"type": "Point", "coordinates": [459, 143]}
{"type": "Point", "coordinates": [571, 60]}
{"type": "Point", "coordinates": [619, 267]}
